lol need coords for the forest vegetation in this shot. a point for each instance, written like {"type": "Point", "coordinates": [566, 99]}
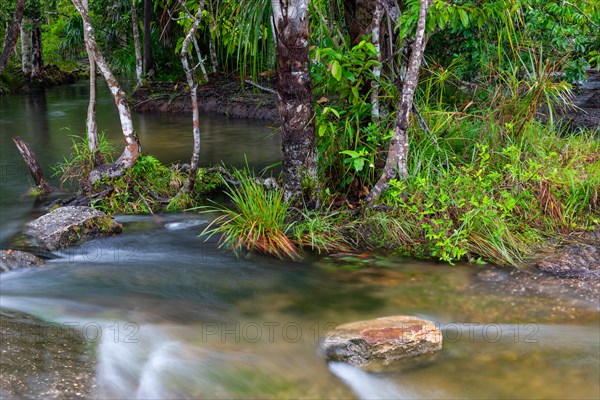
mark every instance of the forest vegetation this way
{"type": "Point", "coordinates": [427, 128]}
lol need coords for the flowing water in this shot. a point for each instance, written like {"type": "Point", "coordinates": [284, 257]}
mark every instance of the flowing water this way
{"type": "Point", "coordinates": [157, 312]}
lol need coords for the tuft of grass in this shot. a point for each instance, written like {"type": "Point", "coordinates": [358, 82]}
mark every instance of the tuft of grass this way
{"type": "Point", "coordinates": [77, 166]}
{"type": "Point", "coordinates": [258, 221]}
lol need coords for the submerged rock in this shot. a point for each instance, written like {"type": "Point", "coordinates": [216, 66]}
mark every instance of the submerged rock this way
{"type": "Point", "coordinates": [578, 259]}
{"type": "Point", "coordinates": [376, 343]}
{"type": "Point", "coordinates": [68, 225]}
{"type": "Point", "coordinates": [41, 360]}
{"type": "Point", "coordinates": [15, 259]}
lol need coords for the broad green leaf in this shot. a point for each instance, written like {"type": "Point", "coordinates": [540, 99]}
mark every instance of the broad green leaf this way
{"type": "Point", "coordinates": [336, 70]}
{"type": "Point", "coordinates": [464, 17]}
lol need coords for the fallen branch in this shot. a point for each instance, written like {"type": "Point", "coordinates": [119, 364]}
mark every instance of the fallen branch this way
{"type": "Point", "coordinates": [34, 166]}
{"type": "Point", "coordinates": [263, 88]}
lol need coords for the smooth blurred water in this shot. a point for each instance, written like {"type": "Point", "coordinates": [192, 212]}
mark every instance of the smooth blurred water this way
{"type": "Point", "coordinates": [165, 314]}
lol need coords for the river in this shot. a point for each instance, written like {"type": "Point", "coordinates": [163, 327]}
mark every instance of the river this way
{"type": "Point", "coordinates": [157, 312]}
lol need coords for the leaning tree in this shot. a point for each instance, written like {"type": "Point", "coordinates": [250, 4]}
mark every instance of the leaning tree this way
{"type": "Point", "coordinates": [132, 149]}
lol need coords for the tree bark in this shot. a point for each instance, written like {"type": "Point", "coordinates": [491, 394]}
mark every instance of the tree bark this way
{"type": "Point", "coordinates": [295, 100]}
{"type": "Point", "coordinates": [37, 59]}
{"type": "Point", "coordinates": [132, 149]}
{"type": "Point", "coordinates": [12, 33]}
{"type": "Point", "coordinates": [214, 62]}
{"type": "Point", "coordinates": [148, 67]}
{"type": "Point", "coordinates": [92, 127]}
{"type": "Point", "coordinates": [398, 150]}
{"type": "Point", "coordinates": [190, 74]}
{"type": "Point", "coordinates": [26, 46]}
{"type": "Point", "coordinates": [375, 39]}
{"type": "Point", "coordinates": [136, 44]}
{"type": "Point", "coordinates": [200, 59]}
{"type": "Point", "coordinates": [33, 165]}
{"type": "Point", "coordinates": [358, 15]}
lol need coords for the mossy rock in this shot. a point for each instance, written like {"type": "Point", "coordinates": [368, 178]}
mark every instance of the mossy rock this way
{"type": "Point", "coordinates": [66, 226]}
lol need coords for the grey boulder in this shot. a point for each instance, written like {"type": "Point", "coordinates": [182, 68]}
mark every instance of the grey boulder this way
{"type": "Point", "coordinates": [68, 225]}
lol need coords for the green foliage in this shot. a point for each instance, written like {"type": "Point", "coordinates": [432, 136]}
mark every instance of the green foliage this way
{"type": "Point", "coordinates": [493, 197]}
{"type": "Point", "coordinates": [77, 166]}
{"type": "Point", "coordinates": [348, 141]}
{"type": "Point", "coordinates": [258, 221]}
{"type": "Point", "coordinates": [494, 33]}
{"type": "Point", "coordinates": [150, 186]}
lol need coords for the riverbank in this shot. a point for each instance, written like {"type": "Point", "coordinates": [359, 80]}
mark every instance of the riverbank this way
{"type": "Point", "coordinates": [220, 95]}
{"type": "Point", "coordinates": [13, 80]}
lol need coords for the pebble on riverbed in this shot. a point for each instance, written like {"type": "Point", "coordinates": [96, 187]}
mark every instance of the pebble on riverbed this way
{"type": "Point", "coordinates": [377, 343]}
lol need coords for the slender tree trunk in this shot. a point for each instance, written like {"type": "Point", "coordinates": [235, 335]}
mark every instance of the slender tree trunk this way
{"type": "Point", "coordinates": [190, 75]}
{"type": "Point", "coordinates": [294, 92]}
{"type": "Point", "coordinates": [33, 165]}
{"type": "Point", "coordinates": [148, 67]}
{"type": "Point", "coordinates": [92, 128]}
{"type": "Point", "coordinates": [132, 149]}
{"type": "Point", "coordinates": [37, 59]}
{"type": "Point", "coordinates": [398, 150]}
{"type": "Point", "coordinates": [200, 60]}
{"type": "Point", "coordinates": [12, 33]}
{"type": "Point", "coordinates": [375, 39]}
{"type": "Point", "coordinates": [214, 62]}
{"type": "Point", "coordinates": [136, 44]}
{"type": "Point", "coordinates": [212, 37]}
{"type": "Point", "coordinates": [26, 46]}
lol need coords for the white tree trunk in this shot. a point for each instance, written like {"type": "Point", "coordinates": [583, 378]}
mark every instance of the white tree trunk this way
{"type": "Point", "coordinates": [136, 44]}
{"type": "Point", "coordinates": [398, 150]}
{"type": "Point", "coordinates": [375, 39]}
{"type": "Point", "coordinates": [132, 149]}
{"type": "Point", "coordinates": [190, 74]}
{"type": "Point", "coordinates": [26, 46]}
{"type": "Point", "coordinates": [211, 47]}
{"type": "Point", "coordinates": [200, 60]}
{"type": "Point", "coordinates": [92, 128]}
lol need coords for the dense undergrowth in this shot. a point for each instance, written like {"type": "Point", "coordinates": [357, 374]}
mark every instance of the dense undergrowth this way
{"type": "Point", "coordinates": [148, 187]}
{"type": "Point", "coordinates": [479, 195]}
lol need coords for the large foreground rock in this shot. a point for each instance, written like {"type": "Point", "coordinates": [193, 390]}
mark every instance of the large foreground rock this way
{"type": "Point", "coordinates": [68, 225]}
{"type": "Point", "coordinates": [577, 259]}
{"type": "Point", "coordinates": [376, 343]}
{"type": "Point", "coordinates": [15, 259]}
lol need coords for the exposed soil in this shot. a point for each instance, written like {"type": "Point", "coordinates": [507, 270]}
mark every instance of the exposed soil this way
{"type": "Point", "coordinates": [220, 95]}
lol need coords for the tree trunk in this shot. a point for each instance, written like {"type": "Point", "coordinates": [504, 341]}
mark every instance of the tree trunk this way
{"type": "Point", "coordinates": [358, 15]}
{"type": "Point", "coordinates": [295, 101]}
{"type": "Point", "coordinates": [132, 149]}
{"type": "Point", "coordinates": [200, 59]}
{"type": "Point", "coordinates": [12, 33]}
{"type": "Point", "coordinates": [92, 128]}
{"type": "Point", "coordinates": [26, 46]}
{"type": "Point", "coordinates": [398, 149]}
{"type": "Point", "coordinates": [33, 165]}
{"type": "Point", "coordinates": [214, 62]}
{"type": "Point", "coordinates": [190, 74]}
{"type": "Point", "coordinates": [375, 39]}
{"type": "Point", "coordinates": [148, 67]}
{"type": "Point", "coordinates": [136, 44]}
{"type": "Point", "coordinates": [37, 59]}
